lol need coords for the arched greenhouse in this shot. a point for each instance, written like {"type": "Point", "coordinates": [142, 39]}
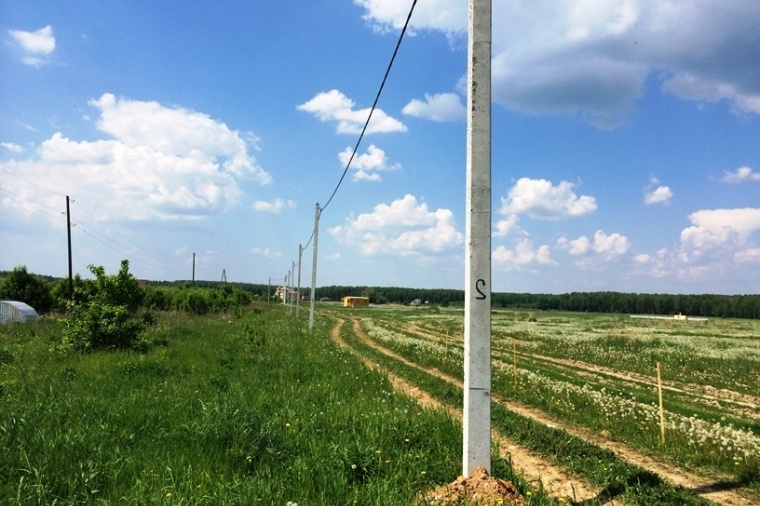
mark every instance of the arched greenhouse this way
{"type": "Point", "coordinates": [12, 311]}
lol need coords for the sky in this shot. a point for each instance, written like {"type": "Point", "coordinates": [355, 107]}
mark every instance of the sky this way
{"type": "Point", "coordinates": [625, 142]}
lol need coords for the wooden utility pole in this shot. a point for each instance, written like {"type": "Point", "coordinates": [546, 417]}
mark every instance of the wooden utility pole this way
{"type": "Point", "coordinates": [71, 271]}
{"type": "Point", "coordinates": [193, 269]}
{"type": "Point", "coordinates": [477, 337]}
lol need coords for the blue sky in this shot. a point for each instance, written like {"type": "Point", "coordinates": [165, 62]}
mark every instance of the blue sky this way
{"type": "Point", "coordinates": [625, 141]}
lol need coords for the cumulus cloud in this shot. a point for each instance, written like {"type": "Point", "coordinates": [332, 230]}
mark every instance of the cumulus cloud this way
{"type": "Point", "coordinates": [367, 166]}
{"type": "Point", "coordinates": [538, 198]}
{"type": "Point", "coordinates": [609, 246]}
{"type": "Point", "coordinates": [438, 107]}
{"type": "Point", "coordinates": [612, 245]}
{"type": "Point", "coordinates": [504, 227]}
{"type": "Point", "coordinates": [403, 227]}
{"type": "Point", "coordinates": [591, 58]}
{"type": "Point", "coordinates": [273, 206]}
{"type": "Point", "coordinates": [717, 235]}
{"type": "Point", "coordinates": [579, 246]}
{"type": "Point", "coordinates": [522, 256]}
{"type": "Point", "coordinates": [37, 46]}
{"type": "Point", "coordinates": [335, 106]}
{"type": "Point", "coordinates": [161, 163]}
{"type": "Point", "coordinates": [740, 175]}
{"type": "Point", "coordinates": [657, 195]}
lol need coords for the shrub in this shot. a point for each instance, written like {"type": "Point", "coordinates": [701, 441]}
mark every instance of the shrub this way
{"type": "Point", "coordinates": [108, 318]}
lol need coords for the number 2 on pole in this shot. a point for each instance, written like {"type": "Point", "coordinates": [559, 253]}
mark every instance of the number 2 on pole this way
{"type": "Point", "coordinates": [478, 284]}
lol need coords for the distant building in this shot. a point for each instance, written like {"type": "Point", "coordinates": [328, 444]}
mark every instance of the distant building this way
{"type": "Point", "coordinates": [283, 291]}
{"type": "Point", "coordinates": [356, 301]}
{"type": "Point", "coordinates": [680, 316]}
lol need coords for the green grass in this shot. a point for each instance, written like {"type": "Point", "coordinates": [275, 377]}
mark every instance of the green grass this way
{"type": "Point", "coordinates": [223, 409]}
{"type": "Point", "coordinates": [618, 479]}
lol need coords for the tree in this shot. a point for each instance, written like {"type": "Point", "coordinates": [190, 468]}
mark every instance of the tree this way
{"type": "Point", "coordinates": [28, 288]}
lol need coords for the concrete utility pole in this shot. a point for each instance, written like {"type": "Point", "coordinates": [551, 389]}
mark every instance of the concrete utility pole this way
{"type": "Point", "coordinates": [317, 212]}
{"type": "Point", "coordinates": [298, 295]}
{"type": "Point", "coordinates": [71, 271]}
{"type": "Point", "coordinates": [477, 314]}
{"type": "Point", "coordinates": [193, 269]}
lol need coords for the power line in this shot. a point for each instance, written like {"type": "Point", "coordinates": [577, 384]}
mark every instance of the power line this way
{"type": "Point", "coordinates": [374, 104]}
{"type": "Point", "coordinates": [157, 256]}
{"type": "Point", "coordinates": [39, 207]}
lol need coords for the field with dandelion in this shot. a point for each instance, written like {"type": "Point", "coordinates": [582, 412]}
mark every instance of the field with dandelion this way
{"type": "Point", "coordinates": [595, 376]}
{"type": "Point", "coordinates": [250, 407]}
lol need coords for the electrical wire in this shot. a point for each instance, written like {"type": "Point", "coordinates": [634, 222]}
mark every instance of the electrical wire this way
{"type": "Point", "coordinates": [374, 104]}
{"type": "Point", "coordinates": [366, 124]}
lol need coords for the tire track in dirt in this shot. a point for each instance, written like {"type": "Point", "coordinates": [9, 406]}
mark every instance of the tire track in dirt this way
{"type": "Point", "coordinates": [711, 488]}
{"type": "Point", "coordinates": [555, 480]}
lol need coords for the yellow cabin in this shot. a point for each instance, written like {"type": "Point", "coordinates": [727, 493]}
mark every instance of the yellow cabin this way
{"type": "Point", "coordinates": [356, 301]}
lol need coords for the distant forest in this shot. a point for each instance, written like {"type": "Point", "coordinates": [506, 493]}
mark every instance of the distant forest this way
{"type": "Point", "coordinates": [722, 306]}
{"type": "Point", "coordinates": [706, 305]}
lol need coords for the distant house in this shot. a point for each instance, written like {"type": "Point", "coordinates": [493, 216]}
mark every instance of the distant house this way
{"type": "Point", "coordinates": [356, 301]}
{"type": "Point", "coordinates": [12, 311]}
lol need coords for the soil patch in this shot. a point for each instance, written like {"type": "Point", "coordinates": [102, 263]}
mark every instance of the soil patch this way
{"type": "Point", "coordinates": [478, 489]}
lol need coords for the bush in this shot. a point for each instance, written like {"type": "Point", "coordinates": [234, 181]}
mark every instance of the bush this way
{"type": "Point", "coordinates": [108, 317]}
{"type": "Point", "coordinates": [28, 288]}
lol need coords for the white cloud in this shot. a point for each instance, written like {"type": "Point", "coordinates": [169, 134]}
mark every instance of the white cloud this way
{"type": "Point", "coordinates": [438, 107]}
{"type": "Point", "coordinates": [273, 206]}
{"type": "Point", "coordinates": [715, 238]}
{"type": "Point", "coordinates": [506, 226]}
{"type": "Point", "coordinates": [367, 166]}
{"type": "Point", "coordinates": [13, 148]}
{"type": "Point", "coordinates": [265, 252]}
{"type": "Point", "coordinates": [522, 255]}
{"type": "Point", "coordinates": [37, 45]}
{"type": "Point", "coordinates": [335, 106]}
{"type": "Point", "coordinates": [402, 227]}
{"type": "Point", "coordinates": [579, 246]}
{"type": "Point", "coordinates": [612, 245]}
{"type": "Point", "coordinates": [538, 198]}
{"type": "Point", "coordinates": [740, 175]}
{"type": "Point", "coordinates": [592, 58]}
{"type": "Point", "coordinates": [163, 163]}
{"type": "Point", "coordinates": [659, 195]}
{"type": "Point", "coordinates": [750, 255]}
{"type": "Point", "coordinates": [608, 246]}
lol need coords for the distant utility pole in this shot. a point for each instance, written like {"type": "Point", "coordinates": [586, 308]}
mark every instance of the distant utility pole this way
{"type": "Point", "coordinates": [71, 271]}
{"type": "Point", "coordinates": [314, 267]}
{"type": "Point", "coordinates": [269, 288]}
{"type": "Point", "coordinates": [477, 313]}
{"type": "Point", "coordinates": [193, 269]}
{"type": "Point", "coordinates": [298, 299]}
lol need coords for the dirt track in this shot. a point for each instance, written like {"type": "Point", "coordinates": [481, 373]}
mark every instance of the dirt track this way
{"type": "Point", "coordinates": [555, 479]}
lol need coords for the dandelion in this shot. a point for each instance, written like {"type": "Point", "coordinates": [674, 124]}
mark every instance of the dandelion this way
{"type": "Point", "coordinates": [168, 494]}
{"type": "Point", "coordinates": [287, 424]}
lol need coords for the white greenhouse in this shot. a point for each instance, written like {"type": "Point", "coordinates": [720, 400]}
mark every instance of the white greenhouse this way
{"type": "Point", "coordinates": [12, 311]}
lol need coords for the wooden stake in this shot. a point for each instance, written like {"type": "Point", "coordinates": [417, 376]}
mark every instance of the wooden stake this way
{"type": "Point", "coordinates": [514, 361]}
{"type": "Point", "coordinates": [662, 412]}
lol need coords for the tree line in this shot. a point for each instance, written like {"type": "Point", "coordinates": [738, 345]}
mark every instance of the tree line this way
{"type": "Point", "coordinates": [46, 294]}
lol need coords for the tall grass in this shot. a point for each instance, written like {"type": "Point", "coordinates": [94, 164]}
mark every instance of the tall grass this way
{"type": "Point", "coordinates": [230, 409]}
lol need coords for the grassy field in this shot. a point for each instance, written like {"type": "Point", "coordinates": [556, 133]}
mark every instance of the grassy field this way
{"type": "Point", "coordinates": [242, 408]}
{"type": "Point", "coordinates": [249, 407]}
{"type": "Point", "coordinates": [597, 372]}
